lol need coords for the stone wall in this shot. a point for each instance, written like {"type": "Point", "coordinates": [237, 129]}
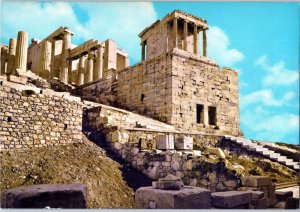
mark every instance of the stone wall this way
{"type": "Point", "coordinates": [101, 91]}
{"type": "Point", "coordinates": [195, 171]}
{"type": "Point", "coordinates": [173, 88]}
{"type": "Point", "coordinates": [36, 118]}
{"type": "Point", "coordinates": [137, 146]}
{"type": "Point", "coordinates": [147, 88]}
{"type": "Point", "coordinates": [200, 82]}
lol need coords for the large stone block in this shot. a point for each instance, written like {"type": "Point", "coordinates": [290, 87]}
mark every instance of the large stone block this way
{"type": "Point", "coordinates": [259, 203]}
{"type": "Point", "coordinates": [46, 195]}
{"type": "Point", "coordinates": [165, 142]}
{"type": "Point", "coordinates": [216, 151]}
{"type": "Point", "coordinates": [184, 143]}
{"type": "Point", "coordinates": [230, 199]}
{"type": "Point", "coordinates": [185, 198]}
{"type": "Point", "coordinates": [21, 79]}
{"type": "Point", "coordinates": [257, 195]}
{"type": "Point", "coordinates": [256, 181]}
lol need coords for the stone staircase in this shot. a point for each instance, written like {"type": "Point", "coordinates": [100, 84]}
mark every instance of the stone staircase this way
{"type": "Point", "coordinates": [249, 145]}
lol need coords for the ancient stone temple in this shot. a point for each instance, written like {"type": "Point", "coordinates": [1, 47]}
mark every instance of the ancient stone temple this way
{"type": "Point", "coordinates": [56, 57]}
{"type": "Point", "coordinates": [174, 82]}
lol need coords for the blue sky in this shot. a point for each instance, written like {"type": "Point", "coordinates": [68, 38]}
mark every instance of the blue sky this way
{"type": "Point", "coordinates": [260, 40]}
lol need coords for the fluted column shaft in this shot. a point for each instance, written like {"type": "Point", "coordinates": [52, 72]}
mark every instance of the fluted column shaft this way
{"type": "Point", "coordinates": [204, 43]}
{"type": "Point", "coordinates": [63, 76]}
{"type": "Point", "coordinates": [175, 32]}
{"type": "Point", "coordinates": [11, 55]}
{"type": "Point", "coordinates": [185, 34]}
{"type": "Point", "coordinates": [4, 58]}
{"type": "Point", "coordinates": [80, 77]}
{"type": "Point", "coordinates": [52, 59]}
{"type": "Point", "coordinates": [98, 70]}
{"type": "Point", "coordinates": [196, 40]}
{"type": "Point", "coordinates": [89, 70]}
{"type": "Point", "coordinates": [45, 59]}
{"type": "Point", "coordinates": [21, 51]}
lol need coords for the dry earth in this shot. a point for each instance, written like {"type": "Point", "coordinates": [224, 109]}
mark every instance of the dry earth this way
{"type": "Point", "coordinates": [108, 182]}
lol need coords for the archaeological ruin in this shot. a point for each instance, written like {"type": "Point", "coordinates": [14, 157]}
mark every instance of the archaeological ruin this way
{"type": "Point", "coordinates": [174, 116]}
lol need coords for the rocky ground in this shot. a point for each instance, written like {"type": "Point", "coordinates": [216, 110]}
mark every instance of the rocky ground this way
{"type": "Point", "coordinates": [109, 183]}
{"type": "Point", "coordinates": [264, 167]}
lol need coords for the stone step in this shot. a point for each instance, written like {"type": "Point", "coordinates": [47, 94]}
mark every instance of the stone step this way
{"type": "Point", "coordinates": [280, 159]}
{"type": "Point", "coordinates": [249, 145]}
{"type": "Point", "coordinates": [274, 156]}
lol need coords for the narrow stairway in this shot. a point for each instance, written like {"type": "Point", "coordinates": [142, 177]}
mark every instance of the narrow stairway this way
{"type": "Point", "coordinates": [249, 145]}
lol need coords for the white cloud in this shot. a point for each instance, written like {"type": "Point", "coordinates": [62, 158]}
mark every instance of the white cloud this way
{"type": "Point", "coordinates": [277, 74]}
{"type": "Point", "coordinates": [219, 47]}
{"type": "Point", "coordinates": [268, 127]}
{"type": "Point", "coordinates": [121, 21]}
{"type": "Point", "coordinates": [266, 98]}
{"type": "Point", "coordinates": [39, 20]}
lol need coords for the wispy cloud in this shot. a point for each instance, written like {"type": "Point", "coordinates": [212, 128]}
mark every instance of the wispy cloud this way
{"type": "Point", "coordinates": [121, 21]}
{"type": "Point", "coordinates": [38, 19]}
{"type": "Point", "coordinates": [271, 126]}
{"type": "Point", "coordinates": [277, 74]}
{"type": "Point", "coordinates": [219, 47]}
{"type": "Point", "coordinates": [266, 98]}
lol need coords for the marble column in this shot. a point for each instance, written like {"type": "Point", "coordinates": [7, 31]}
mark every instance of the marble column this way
{"type": "Point", "coordinates": [185, 34]}
{"type": "Point", "coordinates": [63, 75]}
{"type": "Point", "coordinates": [89, 70]}
{"type": "Point", "coordinates": [11, 55]}
{"type": "Point", "coordinates": [80, 76]}
{"type": "Point", "coordinates": [70, 69]}
{"type": "Point", "coordinates": [98, 70]}
{"type": "Point", "coordinates": [21, 51]}
{"type": "Point", "coordinates": [45, 59]}
{"type": "Point", "coordinates": [4, 58]}
{"type": "Point", "coordinates": [196, 40]}
{"type": "Point", "coordinates": [204, 43]}
{"type": "Point", "coordinates": [52, 67]}
{"type": "Point", "coordinates": [175, 32]}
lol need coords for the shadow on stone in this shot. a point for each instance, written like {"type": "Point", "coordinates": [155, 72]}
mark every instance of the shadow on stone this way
{"type": "Point", "coordinates": [45, 196]}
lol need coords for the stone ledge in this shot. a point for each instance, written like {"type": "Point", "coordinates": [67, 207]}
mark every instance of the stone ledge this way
{"type": "Point", "coordinates": [185, 198]}
{"type": "Point", "coordinates": [231, 199]}
{"type": "Point", "coordinates": [45, 195]}
{"type": "Point", "coordinates": [256, 181]}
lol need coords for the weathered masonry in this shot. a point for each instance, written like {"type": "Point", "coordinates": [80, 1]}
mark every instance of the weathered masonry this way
{"type": "Point", "coordinates": [177, 85]}
{"type": "Point", "coordinates": [175, 82]}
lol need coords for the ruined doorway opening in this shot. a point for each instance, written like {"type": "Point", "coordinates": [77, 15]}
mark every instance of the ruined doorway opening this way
{"type": "Point", "coordinates": [200, 114]}
{"type": "Point", "coordinates": [212, 112]}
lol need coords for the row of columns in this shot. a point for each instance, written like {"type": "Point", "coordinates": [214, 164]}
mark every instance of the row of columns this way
{"type": "Point", "coordinates": [17, 53]}
{"type": "Point", "coordinates": [84, 74]}
{"type": "Point", "coordinates": [87, 71]}
{"type": "Point", "coordinates": [47, 56]}
{"type": "Point", "coordinates": [185, 35]}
